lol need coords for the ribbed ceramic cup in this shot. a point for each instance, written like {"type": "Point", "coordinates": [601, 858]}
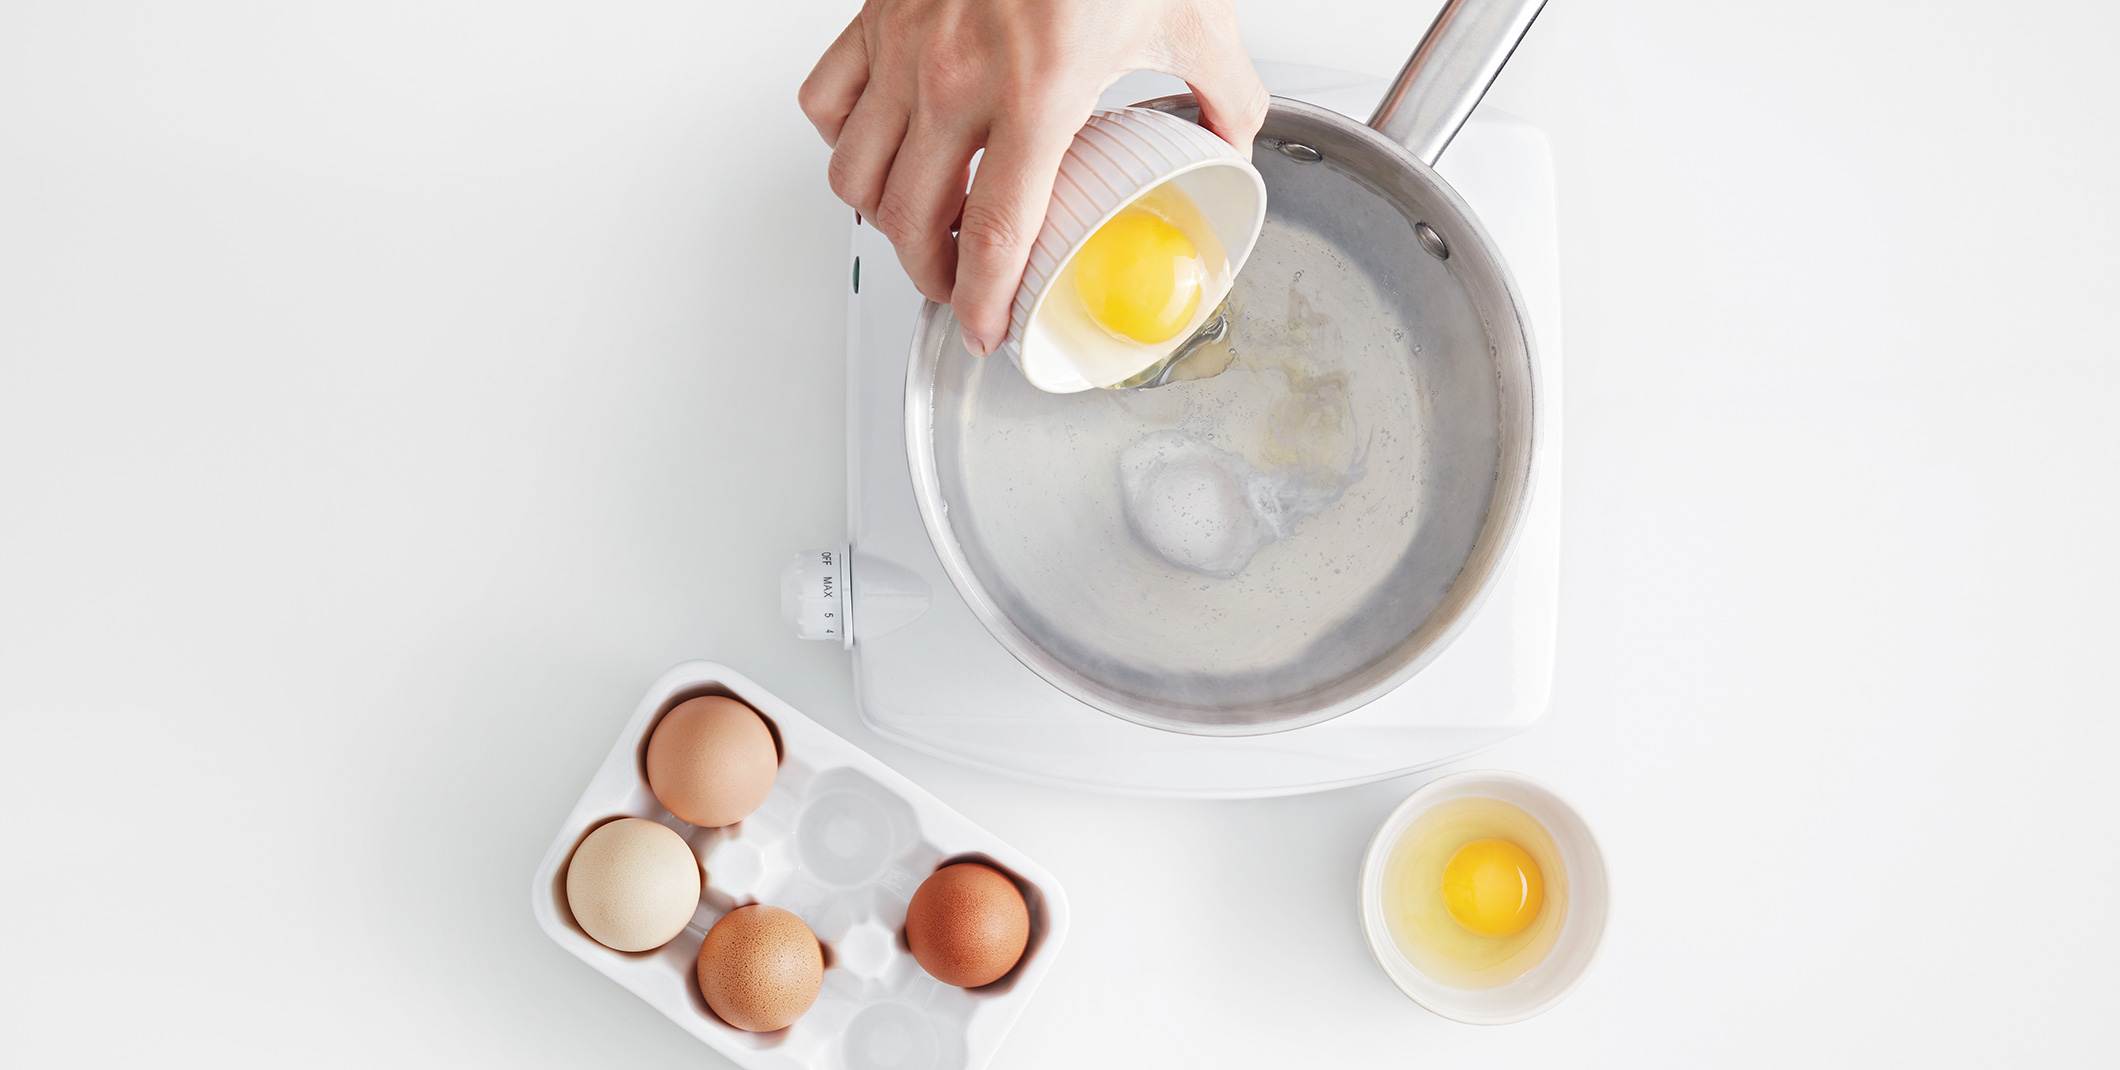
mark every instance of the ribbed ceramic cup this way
{"type": "Point", "coordinates": [1119, 155]}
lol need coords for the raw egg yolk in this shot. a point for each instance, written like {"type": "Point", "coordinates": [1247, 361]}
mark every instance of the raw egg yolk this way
{"type": "Point", "coordinates": [1492, 887]}
{"type": "Point", "coordinates": [1139, 277]}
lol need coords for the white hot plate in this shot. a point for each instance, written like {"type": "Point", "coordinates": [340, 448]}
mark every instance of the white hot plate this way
{"type": "Point", "coordinates": [928, 674]}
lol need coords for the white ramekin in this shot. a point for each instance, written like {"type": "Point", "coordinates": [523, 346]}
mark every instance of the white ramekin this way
{"type": "Point", "coordinates": [1582, 931]}
{"type": "Point", "coordinates": [1119, 155]}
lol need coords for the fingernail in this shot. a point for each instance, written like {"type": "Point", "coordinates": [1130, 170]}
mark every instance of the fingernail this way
{"type": "Point", "coordinates": [974, 346]}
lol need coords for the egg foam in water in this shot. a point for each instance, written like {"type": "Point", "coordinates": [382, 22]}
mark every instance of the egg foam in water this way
{"type": "Point", "coordinates": [1134, 291]}
{"type": "Point", "coordinates": [1475, 893]}
{"type": "Point", "coordinates": [1208, 510]}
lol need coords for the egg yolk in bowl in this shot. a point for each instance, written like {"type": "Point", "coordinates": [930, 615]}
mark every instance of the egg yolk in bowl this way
{"type": "Point", "coordinates": [1493, 887]}
{"type": "Point", "coordinates": [1129, 295]}
{"type": "Point", "coordinates": [1139, 277]}
{"type": "Point", "coordinates": [1475, 893]}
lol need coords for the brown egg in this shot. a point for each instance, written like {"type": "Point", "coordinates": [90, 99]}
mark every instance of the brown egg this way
{"type": "Point", "coordinates": [967, 925]}
{"type": "Point", "coordinates": [760, 968]}
{"type": "Point", "coordinates": [711, 761]}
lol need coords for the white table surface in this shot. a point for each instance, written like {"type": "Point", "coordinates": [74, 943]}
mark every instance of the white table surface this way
{"type": "Point", "coordinates": [388, 391]}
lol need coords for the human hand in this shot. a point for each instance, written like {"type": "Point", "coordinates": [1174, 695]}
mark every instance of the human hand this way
{"type": "Point", "coordinates": [913, 88]}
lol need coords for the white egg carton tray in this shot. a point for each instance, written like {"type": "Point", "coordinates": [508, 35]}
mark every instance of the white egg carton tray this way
{"type": "Point", "coordinates": [842, 841]}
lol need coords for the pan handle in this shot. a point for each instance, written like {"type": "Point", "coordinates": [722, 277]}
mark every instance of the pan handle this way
{"type": "Point", "coordinates": [1464, 49]}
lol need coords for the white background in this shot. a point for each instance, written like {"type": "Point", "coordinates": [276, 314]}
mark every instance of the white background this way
{"type": "Point", "coordinates": [389, 391]}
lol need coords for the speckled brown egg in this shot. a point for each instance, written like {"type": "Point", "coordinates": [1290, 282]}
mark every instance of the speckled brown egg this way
{"type": "Point", "coordinates": [967, 925]}
{"type": "Point", "coordinates": [711, 761]}
{"type": "Point", "coordinates": [760, 968]}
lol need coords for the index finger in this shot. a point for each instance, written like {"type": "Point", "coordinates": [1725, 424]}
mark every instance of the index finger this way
{"type": "Point", "coordinates": [828, 95]}
{"type": "Point", "coordinates": [1002, 215]}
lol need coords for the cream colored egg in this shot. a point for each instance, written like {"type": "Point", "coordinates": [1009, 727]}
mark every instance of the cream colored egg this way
{"type": "Point", "coordinates": [633, 884]}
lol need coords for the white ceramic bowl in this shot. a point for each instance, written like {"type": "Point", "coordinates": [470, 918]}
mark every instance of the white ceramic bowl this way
{"type": "Point", "coordinates": [1120, 154]}
{"type": "Point", "coordinates": [1582, 930]}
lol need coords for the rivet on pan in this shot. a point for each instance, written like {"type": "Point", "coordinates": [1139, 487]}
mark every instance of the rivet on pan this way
{"type": "Point", "coordinates": [1431, 241]}
{"type": "Point", "coordinates": [1300, 153]}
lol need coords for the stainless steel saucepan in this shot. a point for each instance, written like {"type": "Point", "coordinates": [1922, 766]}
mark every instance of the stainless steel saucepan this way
{"type": "Point", "coordinates": [1316, 503]}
